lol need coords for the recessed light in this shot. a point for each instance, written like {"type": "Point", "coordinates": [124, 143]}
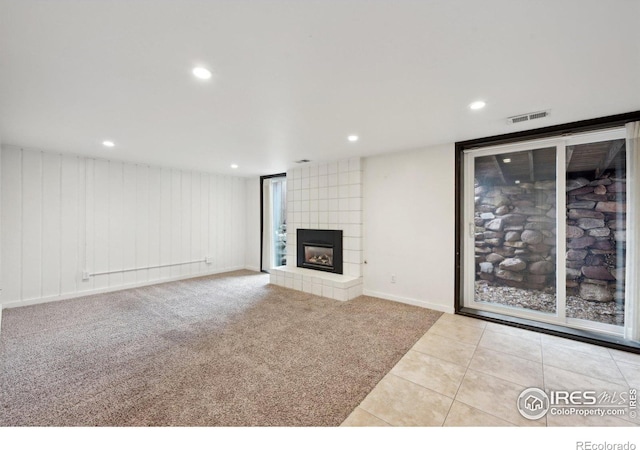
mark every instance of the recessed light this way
{"type": "Point", "coordinates": [353, 138]}
{"type": "Point", "coordinates": [506, 160]}
{"type": "Point", "coordinates": [108, 143]}
{"type": "Point", "coordinates": [477, 105]}
{"type": "Point", "coordinates": [517, 182]}
{"type": "Point", "coordinates": [234, 166]}
{"type": "Point", "coordinates": [202, 73]}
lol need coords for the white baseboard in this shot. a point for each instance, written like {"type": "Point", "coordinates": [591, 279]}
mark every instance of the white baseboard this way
{"type": "Point", "coordinates": [410, 301]}
{"type": "Point", "coordinates": [252, 268]}
{"type": "Point", "coordinates": [0, 317]}
{"type": "Point", "coordinates": [55, 298]}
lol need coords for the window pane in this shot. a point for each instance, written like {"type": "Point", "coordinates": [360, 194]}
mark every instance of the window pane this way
{"type": "Point", "coordinates": [596, 231]}
{"type": "Point", "coordinates": [515, 229]}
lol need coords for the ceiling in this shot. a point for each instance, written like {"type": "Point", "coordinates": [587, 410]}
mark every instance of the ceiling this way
{"type": "Point", "coordinates": [292, 79]}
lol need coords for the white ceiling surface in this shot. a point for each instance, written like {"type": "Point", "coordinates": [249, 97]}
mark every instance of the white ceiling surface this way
{"type": "Point", "coordinates": [293, 78]}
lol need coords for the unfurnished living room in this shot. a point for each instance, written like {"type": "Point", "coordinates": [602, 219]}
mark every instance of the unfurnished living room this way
{"type": "Point", "coordinates": [319, 213]}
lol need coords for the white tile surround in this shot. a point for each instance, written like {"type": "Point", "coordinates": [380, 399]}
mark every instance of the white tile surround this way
{"type": "Point", "coordinates": [323, 284]}
{"type": "Point", "coordinates": [325, 196]}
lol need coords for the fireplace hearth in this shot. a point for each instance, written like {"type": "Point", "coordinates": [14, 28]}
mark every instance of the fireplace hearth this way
{"type": "Point", "coordinates": [320, 250]}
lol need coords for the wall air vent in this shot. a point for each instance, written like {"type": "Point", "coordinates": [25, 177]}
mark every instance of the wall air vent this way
{"type": "Point", "coordinates": [527, 117]}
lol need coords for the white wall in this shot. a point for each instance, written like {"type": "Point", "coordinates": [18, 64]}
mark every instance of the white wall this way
{"type": "Point", "coordinates": [62, 214]}
{"type": "Point", "coordinates": [252, 253]}
{"type": "Point", "coordinates": [409, 225]}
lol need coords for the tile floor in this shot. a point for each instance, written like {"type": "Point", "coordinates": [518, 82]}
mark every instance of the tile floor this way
{"type": "Point", "coordinates": [468, 372]}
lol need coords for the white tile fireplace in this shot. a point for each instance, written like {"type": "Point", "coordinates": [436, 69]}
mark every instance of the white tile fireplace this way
{"type": "Point", "coordinates": [325, 196]}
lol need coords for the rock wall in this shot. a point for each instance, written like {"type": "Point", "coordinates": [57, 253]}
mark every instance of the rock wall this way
{"type": "Point", "coordinates": [515, 234]}
{"type": "Point", "coordinates": [596, 238]}
{"type": "Point", "coordinates": [515, 242]}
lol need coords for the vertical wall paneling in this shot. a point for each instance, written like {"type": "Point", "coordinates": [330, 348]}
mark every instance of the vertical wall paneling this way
{"type": "Point", "coordinates": [228, 219]}
{"type": "Point", "coordinates": [252, 223]}
{"type": "Point", "coordinates": [51, 224]}
{"type": "Point", "coordinates": [101, 219]}
{"type": "Point", "coordinates": [204, 217]}
{"type": "Point", "coordinates": [70, 224]}
{"type": "Point", "coordinates": [141, 235]}
{"type": "Point", "coordinates": [87, 246]}
{"type": "Point", "coordinates": [116, 225]}
{"type": "Point", "coordinates": [176, 222]}
{"type": "Point", "coordinates": [185, 225]}
{"type": "Point", "coordinates": [154, 220]}
{"type": "Point", "coordinates": [11, 224]}
{"type": "Point", "coordinates": [166, 222]}
{"type": "Point", "coordinates": [130, 218]}
{"type": "Point", "coordinates": [221, 223]}
{"type": "Point", "coordinates": [237, 213]}
{"type": "Point", "coordinates": [233, 221]}
{"type": "Point", "coordinates": [196, 225]}
{"type": "Point", "coordinates": [31, 224]}
{"type": "Point", "coordinates": [63, 215]}
{"type": "Point", "coordinates": [213, 220]}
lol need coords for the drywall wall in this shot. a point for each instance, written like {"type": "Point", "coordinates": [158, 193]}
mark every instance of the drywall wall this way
{"type": "Point", "coordinates": [252, 252]}
{"type": "Point", "coordinates": [409, 225]}
{"type": "Point", "coordinates": [64, 214]}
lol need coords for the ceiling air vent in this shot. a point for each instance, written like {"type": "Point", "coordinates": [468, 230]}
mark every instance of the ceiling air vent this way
{"type": "Point", "coordinates": [527, 117]}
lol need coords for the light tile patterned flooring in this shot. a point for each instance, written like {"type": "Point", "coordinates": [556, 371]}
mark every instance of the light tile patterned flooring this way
{"type": "Point", "coordinates": [468, 372]}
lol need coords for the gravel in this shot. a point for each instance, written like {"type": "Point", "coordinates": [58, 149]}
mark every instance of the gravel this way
{"type": "Point", "coordinates": [545, 301]}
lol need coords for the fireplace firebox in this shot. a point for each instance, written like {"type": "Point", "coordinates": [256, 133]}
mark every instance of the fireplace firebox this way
{"type": "Point", "coordinates": [320, 250]}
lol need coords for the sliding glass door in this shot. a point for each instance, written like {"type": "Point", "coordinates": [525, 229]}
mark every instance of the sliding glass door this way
{"type": "Point", "coordinates": [546, 230]}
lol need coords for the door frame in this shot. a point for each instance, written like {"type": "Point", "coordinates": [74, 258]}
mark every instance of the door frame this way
{"type": "Point", "coordinates": [262, 178]}
{"type": "Point", "coordinates": [469, 208]}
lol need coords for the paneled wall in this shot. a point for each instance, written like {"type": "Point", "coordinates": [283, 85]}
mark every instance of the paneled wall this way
{"type": "Point", "coordinates": [63, 215]}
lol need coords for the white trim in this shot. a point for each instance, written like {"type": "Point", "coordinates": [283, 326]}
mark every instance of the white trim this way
{"type": "Point", "coordinates": [1, 308]}
{"type": "Point", "coordinates": [596, 327]}
{"type": "Point", "coordinates": [514, 147]}
{"type": "Point", "coordinates": [561, 232]}
{"type": "Point", "coordinates": [410, 301]}
{"type": "Point", "coordinates": [591, 137]}
{"type": "Point", "coordinates": [520, 312]}
{"type": "Point", "coordinates": [569, 139]}
{"type": "Point", "coordinates": [549, 318]}
{"type": "Point", "coordinates": [37, 301]}
{"type": "Point", "coordinates": [468, 246]}
{"type": "Point", "coordinates": [632, 299]}
{"type": "Point", "coordinates": [252, 268]}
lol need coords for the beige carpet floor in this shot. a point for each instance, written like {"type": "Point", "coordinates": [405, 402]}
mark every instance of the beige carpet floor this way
{"type": "Point", "coordinates": [224, 350]}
